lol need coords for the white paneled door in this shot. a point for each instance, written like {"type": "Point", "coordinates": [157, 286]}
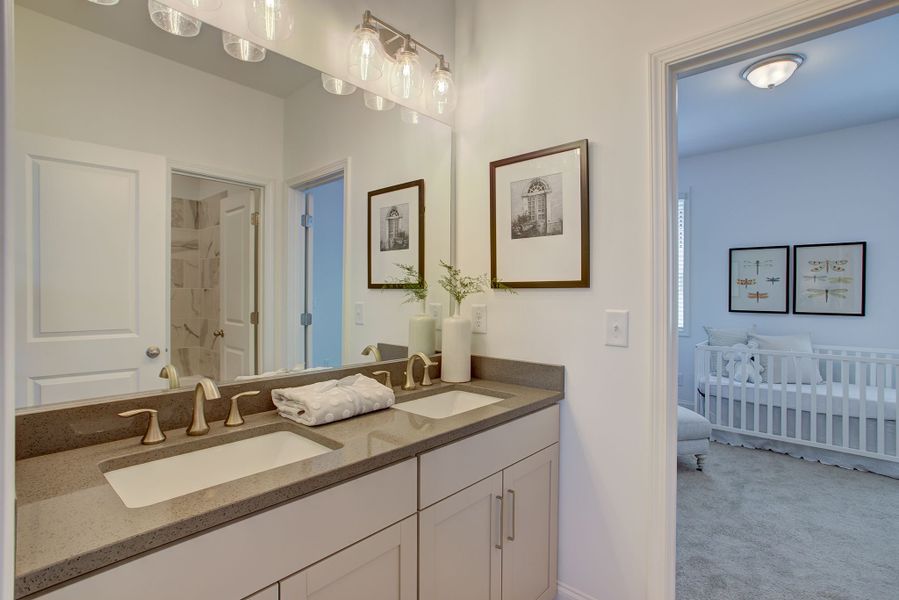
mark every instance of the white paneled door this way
{"type": "Point", "coordinates": [90, 270]}
{"type": "Point", "coordinates": [236, 273]}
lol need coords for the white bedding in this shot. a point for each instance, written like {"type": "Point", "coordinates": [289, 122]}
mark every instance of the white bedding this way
{"type": "Point", "coordinates": [789, 390]}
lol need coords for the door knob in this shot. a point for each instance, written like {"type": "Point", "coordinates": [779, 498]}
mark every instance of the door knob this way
{"type": "Point", "coordinates": [153, 351]}
{"type": "Point", "coordinates": [219, 333]}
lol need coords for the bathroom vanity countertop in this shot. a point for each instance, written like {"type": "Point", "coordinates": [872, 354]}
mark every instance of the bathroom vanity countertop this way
{"type": "Point", "coordinates": [71, 522]}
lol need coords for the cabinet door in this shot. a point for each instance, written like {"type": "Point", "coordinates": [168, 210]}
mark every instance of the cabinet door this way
{"type": "Point", "coordinates": [460, 544]}
{"type": "Point", "coordinates": [530, 528]}
{"type": "Point", "coordinates": [381, 567]}
{"type": "Point", "coordinates": [269, 593]}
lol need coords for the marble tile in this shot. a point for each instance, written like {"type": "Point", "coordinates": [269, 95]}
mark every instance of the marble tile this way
{"type": "Point", "coordinates": [208, 242]}
{"type": "Point", "coordinates": [203, 362]}
{"type": "Point", "coordinates": [208, 210]}
{"type": "Point", "coordinates": [186, 303]}
{"type": "Point", "coordinates": [191, 272]}
{"type": "Point", "coordinates": [209, 273]}
{"type": "Point", "coordinates": [177, 273]}
{"type": "Point", "coordinates": [192, 332]}
{"type": "Point", "coordinates": [184, 243]}
{"type": "Point", "coordinates": [206, 302]}
{"type": "Point", "coordinates": [179, 214]}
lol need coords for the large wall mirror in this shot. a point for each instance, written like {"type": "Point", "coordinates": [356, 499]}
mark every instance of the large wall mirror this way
{"type": "Point", "coordinates": [177, 206]}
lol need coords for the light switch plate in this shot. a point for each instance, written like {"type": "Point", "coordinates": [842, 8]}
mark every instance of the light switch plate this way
{"type": "Point", "coordinates": [360, 313]}
{"type": "Point", "coordinates": [479, 318]}
{"type": "Point", "coordinates": [435, 309]}
{"type": "Point", "coordinates": [616, 327]}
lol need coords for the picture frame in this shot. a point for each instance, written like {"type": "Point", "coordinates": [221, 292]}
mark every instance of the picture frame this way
{"type": "Point", "coordinates": [540, 218]}
{"type": "Point", "coordinates": [830, 279]}
{"type": "Point", "coordinates": [396, 232]}
{"type": "Point", "coordinates": [759, 279]}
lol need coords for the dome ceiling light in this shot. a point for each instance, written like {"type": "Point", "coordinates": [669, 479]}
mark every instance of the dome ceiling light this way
{"type": "Point", "coordinates": [772, 71]}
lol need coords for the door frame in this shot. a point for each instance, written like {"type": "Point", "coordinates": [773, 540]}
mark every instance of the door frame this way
{"type": "Point", "coordinates": [263, 259]}
{"type": "Point", "coordinates": [793, 24]}
{"type": "Point", "coordinates": [294, 192]}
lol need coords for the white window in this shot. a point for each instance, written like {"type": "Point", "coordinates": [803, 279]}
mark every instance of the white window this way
{"type": "Point", "coordinates": [683, 261]}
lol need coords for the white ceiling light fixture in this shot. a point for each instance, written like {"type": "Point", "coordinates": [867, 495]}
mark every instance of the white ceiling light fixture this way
{"type": "Point", "coordinates": [270, 19]}
{"type": "Point", "coordinates": [204, 4]}
{"type": "Point", "coordinates": [336, 86]}
{"type": "Point", "coordinates": [104, 2]}
{"type": "Point", "coordinates": [377, 103]}
{"type": "Point", "coordinates": [366, 56]}
{"type": "Point", "coordinates": [242, 49]}
{"type": "Point", "coordinates": [772, 71]}
{"type": "Point", "coordinates": [172, 21]}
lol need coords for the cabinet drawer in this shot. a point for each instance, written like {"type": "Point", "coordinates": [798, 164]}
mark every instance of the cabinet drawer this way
{"type": "Point", "coordinates": [446, 470]}
{"type": "Point", "coordinates": [237, 560]}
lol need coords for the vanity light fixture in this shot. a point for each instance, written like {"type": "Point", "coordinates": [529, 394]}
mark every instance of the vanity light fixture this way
{"type": "Point", "coordinates": [366, 55]}
{"type": "Point", "coordinates": [204, 4]}
{"type": "Point", "coordinates": [772, 71]}
{"type": "Point", "coordinates": [336, 86]}
{"type": "Point", "coordinates": [172, 21]}
{"type": "Point", "coordinates": [242, 49]}
{"type": "Point", "coordinates": [270, 19]}
{"type": "Point", "coordinates": [376, 102]}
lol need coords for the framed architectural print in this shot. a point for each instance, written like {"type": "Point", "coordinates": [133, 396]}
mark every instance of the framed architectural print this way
{"type": "Point", "coordinates": [396, 232]}
{"type": "Point", "coordinates": [540, 219]}
{"type": "Point", "coordinates": [759, 279]}
{"type": "Point", "coordinates": [830, 279]}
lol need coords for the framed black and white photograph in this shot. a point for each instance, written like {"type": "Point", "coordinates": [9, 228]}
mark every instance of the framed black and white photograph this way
{"type": "Point", "coordinates": [830, 279]}
{"type": "Point", "coordinates": [539, 217]}
{"type": "Point", "coordinates": [759, 279]}
{"type": "Point", "coordinates": [396, 230]}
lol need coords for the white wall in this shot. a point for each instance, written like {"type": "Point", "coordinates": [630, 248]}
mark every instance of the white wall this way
{"type": "Point", "coordinates": [839, 186]}
{"type": "Point", "coordinates": [150, 104]}
{"type": "Point", "coordinates": [323, 29]}
{"type": "Point", "coordinates": [321, 129]}
{"type": "Point", "coordinates": [533, 74]}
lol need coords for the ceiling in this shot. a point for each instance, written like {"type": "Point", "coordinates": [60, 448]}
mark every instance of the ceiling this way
{"type": "Point", "coordinates": [849, 78]}
{"type": "Point", "coordinates": [128, 22]}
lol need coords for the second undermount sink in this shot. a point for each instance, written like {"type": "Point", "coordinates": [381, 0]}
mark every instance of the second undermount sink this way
{"type": "Point", "coordinates": [166, 478]}
{"type": "Point", "coordinates": [446, 404]}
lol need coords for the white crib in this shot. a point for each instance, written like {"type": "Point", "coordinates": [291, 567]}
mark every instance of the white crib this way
{"type": "Point", "coordinates": [848, 419]}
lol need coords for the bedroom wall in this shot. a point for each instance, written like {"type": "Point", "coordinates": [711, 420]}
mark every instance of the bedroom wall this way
{"type": "Point", "coordinates": [836, 186]}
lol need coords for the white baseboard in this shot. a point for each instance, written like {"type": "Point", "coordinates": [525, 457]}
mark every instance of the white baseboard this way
{"type": "Point", "coordinates": [566, 592]}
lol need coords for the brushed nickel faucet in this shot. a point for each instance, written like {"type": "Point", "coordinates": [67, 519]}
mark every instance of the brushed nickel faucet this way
{"type": "Point", "coordinates": [154, 434]}
{"type": "Point", "coordinates": [387, 380]}
{"type": "Point", "coordinates": [205, 390]}
{"type": "Point", "coordinates": [234, 417]}
{"type": "Point", "coordinates": [410, 377]}
{"type": "Point", "coordinates": [373, 350]}
{"type": "Point", "coordinates": [171, 373]}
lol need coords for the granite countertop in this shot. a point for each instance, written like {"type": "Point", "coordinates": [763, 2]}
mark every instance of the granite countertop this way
{"type": "Point", "coordinates": [71, 522]}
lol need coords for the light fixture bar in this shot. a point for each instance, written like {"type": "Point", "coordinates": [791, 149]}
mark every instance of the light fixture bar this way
{"type": "Point", "coordinates": [368, 19]}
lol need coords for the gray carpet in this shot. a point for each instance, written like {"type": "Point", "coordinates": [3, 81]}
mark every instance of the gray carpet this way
{"type": "Point", "coordinates": [762, 526]}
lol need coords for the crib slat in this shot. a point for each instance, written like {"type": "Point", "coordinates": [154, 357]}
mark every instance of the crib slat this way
{"type": "Point", "coordinates": [844, 376]}
{"type": "Point", "coordinates": [813, 413]}
{"type": "Point", "coordinates": [860, 373]}
{"type": "Point", "coordinates": [755, 420]}
{"type": "Point", "coordinates": [784, 430]}
{"type": "Point", "coordinates": [730, 400]}
{"type": "Point", "coordinates": [743, 395]}
{"type": "Point", "coordinates": [770, 411]}
{"type": "Point", "coordinates": [828, 420]}
{"type": "Point", "coordinates": [881, 425]}
{"type": "Point", "coordinates": [708, 386]}
{"type": "Point", "coordinates": [718, 380]}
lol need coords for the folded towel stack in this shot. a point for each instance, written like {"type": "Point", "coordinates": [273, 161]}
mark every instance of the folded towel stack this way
{"type": "Point", "coordinates": [332, 400]}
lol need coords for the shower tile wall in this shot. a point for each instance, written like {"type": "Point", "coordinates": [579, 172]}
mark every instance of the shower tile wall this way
{"type": "Point", "coordinates": [195, 286]}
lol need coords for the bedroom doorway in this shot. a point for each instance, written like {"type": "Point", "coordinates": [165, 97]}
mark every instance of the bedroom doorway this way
{"type": "Point", "coordinates": [837, 402]}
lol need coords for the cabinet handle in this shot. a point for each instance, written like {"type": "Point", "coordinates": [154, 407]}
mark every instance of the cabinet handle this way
{"type": "Point", "coordinates": [511, 536]}
{"type": "Point", "coordinates": [499, 523]}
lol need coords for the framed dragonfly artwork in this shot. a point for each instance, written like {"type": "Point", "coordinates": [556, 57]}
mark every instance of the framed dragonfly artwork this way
{"type": "Point", "coordinates": [830, 279]}
{"type": "Point", "coordinates": [759, 279]}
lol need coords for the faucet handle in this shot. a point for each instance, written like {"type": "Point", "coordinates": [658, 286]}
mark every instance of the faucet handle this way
{"type": "Point", "coordinates": [234, 418]}
{"type": "Point", "coordinates": [387, 380]}
{"type": "Point", "coordinates": [154, 434]}
{"type": "Point", "coordinates": [171, 373]}
{"type": "Point", "coordinates": [426, 363]}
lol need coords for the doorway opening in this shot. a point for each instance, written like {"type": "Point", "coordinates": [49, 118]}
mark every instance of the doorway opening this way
{"type": "Point", "coordinates": [214, 277]}
{"type": "Point", "coordinates": [316, 242]}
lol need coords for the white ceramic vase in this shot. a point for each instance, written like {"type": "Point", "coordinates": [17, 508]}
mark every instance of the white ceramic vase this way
{"type": "Point", "coordinates": [422, 334]}
{"type": "Point", "coordinates": [455, 360]}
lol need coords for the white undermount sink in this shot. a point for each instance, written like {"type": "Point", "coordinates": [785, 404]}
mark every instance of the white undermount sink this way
{"type": "Point", "coordinates": [446, 404]}
{"type": "Point", "coordinates": [167, 478]}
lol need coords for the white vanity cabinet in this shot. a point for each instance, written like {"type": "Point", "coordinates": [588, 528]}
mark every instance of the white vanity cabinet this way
{"type": "Point", "coordinates": [496, 539]}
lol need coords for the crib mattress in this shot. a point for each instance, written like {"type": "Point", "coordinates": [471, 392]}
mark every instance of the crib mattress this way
{"type": "Point", "coordinates": [788, 393]}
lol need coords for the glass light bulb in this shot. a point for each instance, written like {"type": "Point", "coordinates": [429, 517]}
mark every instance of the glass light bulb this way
{"type": "Point", "coordinates": [365, 57]}
{"type": "Point", "coordinates": [202, 4]}
{"type": "Point", "coordinates": [104, 2]}
{"type": "Point", "coordinates": [405, 75]}
{"type": "Point", "coordinates": [172, 21]}
{"type": "Point", "coordinates": [242, 49]}
{"type": "Point", "coordinates": [270, 19]}
{"type": "Point", "coordinates": [442, 91]}
{"type": "Point", "coordinates": [409, 116]}
{"type": "Point", "coordinates": [336, 86]}
{"type": "Point", "coordinates": [376, 102]}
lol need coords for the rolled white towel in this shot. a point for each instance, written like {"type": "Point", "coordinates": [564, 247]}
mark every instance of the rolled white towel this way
{"type": "Point", "coordinates": [333, 400]}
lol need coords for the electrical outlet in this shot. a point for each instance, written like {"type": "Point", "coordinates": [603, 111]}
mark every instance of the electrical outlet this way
{"type": "Point", "coordinates": [435, 309]}
{"type": "Point", "coordinates": [616, 328]}
{"type": "Point", "coordinates": [360, 313]}
{"type": "Point", "coordinates": [479, 318]}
